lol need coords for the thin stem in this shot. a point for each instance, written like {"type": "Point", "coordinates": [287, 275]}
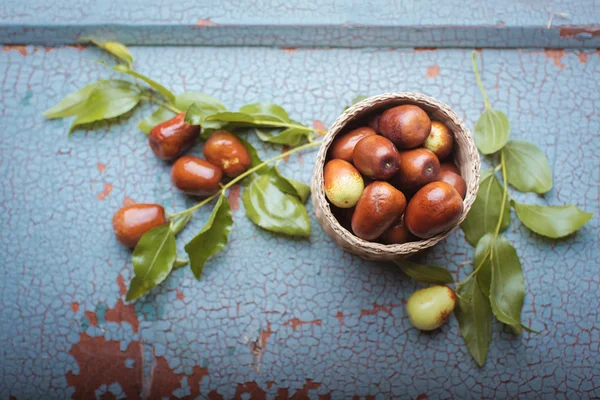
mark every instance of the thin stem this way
{"type": "Point", "coordinates": [162, 103]}
{"type": "Point", "coordinates": [498, 168]}
{"type": "Point", "coordinates": [479, 82]}
{"type": "Point", "coordinates": [472, 274]}
{"type": "Point", "coordinates": [245, 174]}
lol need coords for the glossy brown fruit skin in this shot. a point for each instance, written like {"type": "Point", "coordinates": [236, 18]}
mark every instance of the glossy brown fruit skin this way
{"type": "Point", "coordinates": [374, 122]}
{"type": "Point", "coordinates": [227, 152]}
{"type": "Point", "coordinates": [407, 126]}
{"type": "Point", "coordinates": [131, 222]}
{"type": "Point", "coordinates": [440, 140]}
{"type": "Point", "coordinates": [455, 180]}
{"type": "Point", "coordinates": [343, 146]}
{"type": "Point", "coordinates": [172, 137]}
{"type": "Point", "coordinates": [378, 208]}
{"type": "Point", "coordinates": [195, 176]}
{"type": "Point", "coordinates": [434, 209]}
{"type": "Point", "coordinates": [418, 167]}
{"type": "Point", "coordinates": [398, 233]}
{"type": "Point", "coordinates": [376, 157]}
{"type": "Point", "coordinates": [449, 166]}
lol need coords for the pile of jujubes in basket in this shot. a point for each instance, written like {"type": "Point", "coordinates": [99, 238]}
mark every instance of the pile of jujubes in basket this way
{"type": "Point", "coordinates": [390, 179]}
{"type": "Point", "coordinates": [225, 155]}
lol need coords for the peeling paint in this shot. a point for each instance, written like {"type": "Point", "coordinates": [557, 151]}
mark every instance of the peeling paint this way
{"type": "Point", "coordinates": [556, 55]}
{"type": "Point", "coordinates": [101, 167]}
{"type": "Point", "coordinates": [583, 31]}
{"type": "Point", "coordinates": [122, 285]}
{"type": "Point", "coordinates": [128, 201]}
{"type": "Point", "coordinates": [433, 71]}
{"type": "Point", "coordinates": [295, 323]}
{"type": "Point", "coordinates": [233, 197]}
{"type": "Point", "coordinates": [289, 50]}
{"type": "Point", "coordinates": [205, 22]}
{"type": "Point", "coordinates": [19, 49]}
{"type": "Point", "coordinates": [320, 126]}
{"type": "Point", "coordinates": [106, 192]}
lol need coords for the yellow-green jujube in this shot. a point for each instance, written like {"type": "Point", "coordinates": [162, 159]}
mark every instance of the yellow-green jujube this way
{"type": "Point", "coordinates": [343, 183]}
{"type": "Point", "coordinates": [429, 308]}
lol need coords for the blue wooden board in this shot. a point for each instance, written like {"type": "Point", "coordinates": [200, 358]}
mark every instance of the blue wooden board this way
{"type": "Point", "coordinates": [274, 316]}
{"type": "Point", "coordinates": [298, 23]}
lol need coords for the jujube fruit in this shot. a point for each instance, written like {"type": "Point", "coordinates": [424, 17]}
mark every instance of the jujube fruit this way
{"type": "Point", "coordinates": [343, 183]}
{"type": "Point", "coordinates": [374, 122]}
{"type": "Point", "coordinates": [418, 167]}
{"type": "Point", "coordinates": [455, 180]}
{"type": "Point", "coordinates": [440, 140]}
{"type": "Point", "coordinates": [398, 233]}
{"type": "Point", "coordinates": [407, 126]}
{"type": "Point", "coordinates": [131, 222]}
{"type": "Point", "coordinates": [378, 208]}
{"type": "Point", "coordinates": [195, 176]}
{"type": "Point", "coordinates": [227, 152]}
{"type": "Point", "coordinates": [343, 146]}
{"type": "Point", "coordinates": [448, 166]}
{"type": "Point", "coordinates": [172, 137]}
{"type": "Point", "coordinates": [429, 308]}
{"type": "Point", "coordinates": [434, 209]}
{"type": "Point", "coordinates": [376, 157]}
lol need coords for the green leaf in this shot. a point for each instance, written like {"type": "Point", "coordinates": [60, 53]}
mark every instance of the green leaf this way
{"type": "Point", "coordinates": [180, 221]}
{"type": "Point", "coordinates": [474, 317]}
{"type": "Point", "coordinates": [506, 288]}
{"type": "Point", "coordinates": [212, 238]}
{"type": "Point", "coordinates": [229, 116]}
{"type": "Point", "coordinates": [271, 209]}
{"type": "Point", "coordinates": [491, 131]}
{"type": "Point", "coordinates": [291, 186]}
{"type": "Point", "coordinates": [152, 260]}
{"type": "Point", "coordinates": [552, 221]}
{"type": "Point", "coordinates": [485, 212]}
{"type": "Point", "coordinates": [117, 49]}
{"type": "Point", "coordinates": [197, 116]}
{"type": "Point", "coordinates": [166, 93]}
{"type": "Point", "coordinates": [108, 101]}
{"type": "Point", "coordinates": [484, 275]}
{"type": "Point", "coordinates": [254, 158]}
{"type": "Point", "coordinates": [185, 100]}
{"type": "Point", "coordinates": [260, 110]}
{"type": "Point", "coordinates": [425, 273]}
{"type": "Point", "coordinates": [180, 262]}
{"type": "Point", "coordinates": [527, 168]}
{"type": "Point", "coordinates": [74, 102]}
{"type": "Point", "coordinates": [160, 115]}
{"type": "Point", "coordinates": [289, 137]}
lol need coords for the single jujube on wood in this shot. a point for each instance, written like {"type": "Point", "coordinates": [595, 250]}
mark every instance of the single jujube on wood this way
{"type": "Point", "coordinates": [195, 176]}
{"type": "Point", "coordinates": [227, 152]}
{"type": "Point", "coordinates": [131, 222]}
{"type": "Point", "coordinates": [171, 138]}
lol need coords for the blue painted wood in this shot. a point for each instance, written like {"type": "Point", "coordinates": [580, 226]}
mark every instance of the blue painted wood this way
{"type": "Point", "coordinates": [274, 316]}
{"type": "Point", "coordinates": [297, 23]}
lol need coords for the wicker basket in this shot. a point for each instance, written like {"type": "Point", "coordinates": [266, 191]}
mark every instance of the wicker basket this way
{"type": "Point", "coordinates": [465, 156]}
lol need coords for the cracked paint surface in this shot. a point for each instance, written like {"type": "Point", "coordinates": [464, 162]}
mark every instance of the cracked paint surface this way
{"type": "Point", "coordinates": [274, 317]}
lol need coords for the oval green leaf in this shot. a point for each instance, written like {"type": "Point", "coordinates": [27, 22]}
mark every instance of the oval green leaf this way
{"type": "Point", "coordinates": [289, 137]}
{"type": "Point", "coordinates": [272, 209]}
{"type": "Point", "coordinates": [180, 221]}
{"type": "Point", "coordinates": [474, 316]}
{"type": "Point", "coordinates": [482, 254]}
{"type": "Point", "coordinates": [527, 168]}
{"type": "Point", "coordinates": [166, 93]}
{"type": "Point", "coordinates": [160, 115]}
{"type": "Point", "coordinates": [212, 238]}
{"type": "Point", "coordinates": [259, 110]}
{"type": "Point", "coordinates": [254, 158]}
{"type": "Point", "coordinates": [232, 117]}
{"type": "Point", "coordinates": [152, 260]}
{"type": "Point", "coordinates": [485, 212]}
{"type": "Point", "coordinates": [425, 273]}
{"type": "Point", "coordinates": [552, 221]}
{"type": "Point", "coordinates": [491, 131]}
{"type": "Point", "coordinates": [507, 289]}
{"type": "Point", "coordinates": [185, 100]}
{"type": "Point", "coordinates": [291, 186]}
{"type": "Point", "coordinates": [74, 102]}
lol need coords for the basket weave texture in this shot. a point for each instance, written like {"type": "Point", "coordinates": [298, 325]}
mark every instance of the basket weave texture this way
{"type": "Point", "coordinates": [465, 156]}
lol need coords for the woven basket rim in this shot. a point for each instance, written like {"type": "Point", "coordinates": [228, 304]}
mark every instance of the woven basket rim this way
{"type": "Point", "coordinates": [443, 113]}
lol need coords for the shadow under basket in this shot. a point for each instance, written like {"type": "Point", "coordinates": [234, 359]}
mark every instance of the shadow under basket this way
{"type": "Point", "coordinates": [464, 154]}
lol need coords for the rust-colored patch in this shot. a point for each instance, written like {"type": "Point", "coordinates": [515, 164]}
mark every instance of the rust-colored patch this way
{"type": "Point", "coordinates": [252, 388]}
{"type": "Point", "coordinates": [289, 50]}
{"type": "Point", "coordinates": [79, 47]}
{"type": "Point", "coordinates": [432, 72]}
{"type": "Point", "coordinates": [424, 49]}
{"type": "Point", "coordinates": [19, 49]}
{"type": "Point", "coordinates": [302, 393]}
{"type": "Point", "coordinates": [582, 56]}
{"type": "Point", "coordinates": [123, 313]}
{"type": "Point", "coordinates": [377, 308]}
{"type": "Point", "coordinates": [326, 396]}
{"type": "Point", "coordinates": [340, 317]}
{"type": "Point", "coordinates": [556, 55]}
{"type": "Point", "coordinates": [91, 316]}
{"type": "Point", "coordinates": [108, 396]}
{"type": "Point", "coordinates": [106, 192]}
{"type": "Point", "coordinates": [270, 384]}
{"type": "Point", "coordinates": [205, 22]}
{"type": "Point", "coordinates": [265, 334]}
{"type": "Point", "coordinates": [572, 31]}
{"type": "Point", "coordinates": [295, 323]}
{"type": "Point", "coordinates": [422, 396]}
{"type": "Point", "coordinates": [233, 196]}
{"type": "Point", "coordinates": [283, 394]}
{"type": "Point", "coordinates": [48, 49]}
{"type": "Point", "coordinates": [122, 285]}
{"type": "Point", "coordinates": [320, 126]}
{"type": "Point", "coordinates": [283, 150]}
{"type": "Point", "coordinates": [75, 307]}
{"type": "Point", "coordinates": [128, 201]}
{"type": "Point", "coordinates": [213, 395]}
{"type": "Point", "coordinates": [102, 362]}
{"type": "Point", "coordinates": [101, 167]}
{"type": "Point", "coordinates": [179, 295]}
